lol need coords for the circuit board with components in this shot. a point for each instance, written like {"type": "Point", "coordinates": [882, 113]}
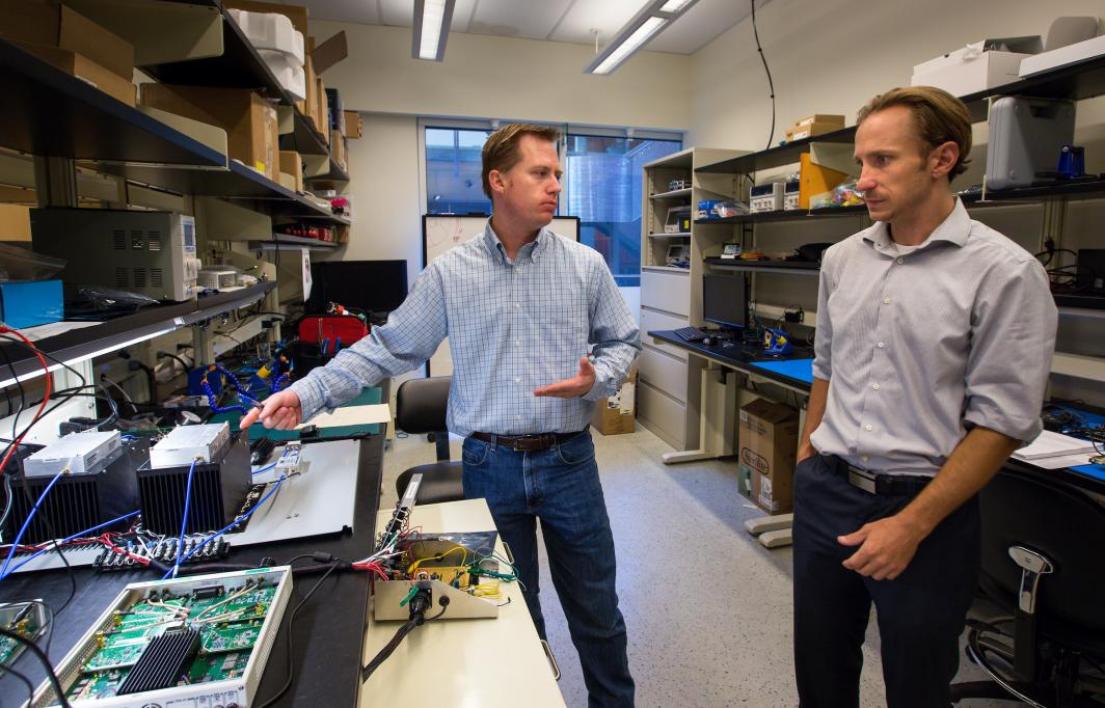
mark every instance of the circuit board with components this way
{"type": "Point", "coordinates": [205, 638]}
{"type": "Point", "coordinates": [27, 619]}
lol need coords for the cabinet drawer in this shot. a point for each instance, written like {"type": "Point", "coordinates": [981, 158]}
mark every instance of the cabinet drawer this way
{"type": "Point", "coordinates": [665, 372]}
{"type": "Point", "coordinates": [661, 414]}
{"type": "Point", "coordinates": [651, 320]}
{"type": "Point", "coordinates": [667, 290]}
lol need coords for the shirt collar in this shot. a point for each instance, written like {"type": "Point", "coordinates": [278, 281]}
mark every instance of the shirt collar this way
{"type": "Point", "coordinates": [496, 249]}
{"type": "Point", "coordinates": [954, 230]}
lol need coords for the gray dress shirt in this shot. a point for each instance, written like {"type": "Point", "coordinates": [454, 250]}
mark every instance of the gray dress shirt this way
{"type": "Point", "coordinates": [921, 344]}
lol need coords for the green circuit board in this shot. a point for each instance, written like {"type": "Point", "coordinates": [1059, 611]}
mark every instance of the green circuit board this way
{"type": "Point", "coordinates": [23, 619]}
{"type": "Point", "coordinates": [229, 624]}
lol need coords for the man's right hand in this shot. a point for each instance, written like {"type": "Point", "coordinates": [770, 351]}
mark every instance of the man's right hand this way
{"type": "Point", "coordinates": [805, 451]}
{"type": "Point", "coordinates": [281, 411]}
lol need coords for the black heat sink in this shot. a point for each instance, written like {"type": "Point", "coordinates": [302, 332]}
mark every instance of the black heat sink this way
{"type": "Point", "coordinates": [78, 502]}
{"type": "Point", "coordinates": [162, 662]}
{"type": "Point", "coordinates": [218, 490]}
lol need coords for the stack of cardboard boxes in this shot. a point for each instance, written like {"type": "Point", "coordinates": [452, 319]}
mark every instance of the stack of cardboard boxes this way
{"type": "Point", "coordinates": [73, 43]}
{"type": "Point", "coordinates": [811, 126]}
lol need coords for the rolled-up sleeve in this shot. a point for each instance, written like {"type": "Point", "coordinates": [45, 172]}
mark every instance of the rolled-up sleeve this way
{"type": "Point", "coordinates": [410, 337]}
{"type": "Point", "coordinates": [615, 336]}
{"type": "Point", "coordinates": [823, 338]}
{"type": "Point", "coordinates": [1013, 326]}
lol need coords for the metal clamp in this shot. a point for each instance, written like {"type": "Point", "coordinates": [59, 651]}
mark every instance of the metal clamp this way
{"type": "Point", "coordinates": [1033, 565]}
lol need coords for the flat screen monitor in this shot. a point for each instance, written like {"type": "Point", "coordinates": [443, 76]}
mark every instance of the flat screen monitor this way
{"type": "Point", "coordinates": [373, 286]}
{"type": "Point", "coordinates": [724, 300]}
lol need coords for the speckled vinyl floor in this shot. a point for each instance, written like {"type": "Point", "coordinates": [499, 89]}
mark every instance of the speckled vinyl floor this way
{"type": "Point", "coordinates": [721, 637]}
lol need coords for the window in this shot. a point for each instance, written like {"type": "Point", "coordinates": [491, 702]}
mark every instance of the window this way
{"type": "Point", "coordinates": [602, 183]}
{"type": "Point", "coordinates": [453, 165]}
{"type": "Point", "coordinates": [602, 186]}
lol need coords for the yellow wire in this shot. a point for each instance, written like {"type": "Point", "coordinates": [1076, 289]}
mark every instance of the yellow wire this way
{"type": "Point", "coordinates": [464, 559]}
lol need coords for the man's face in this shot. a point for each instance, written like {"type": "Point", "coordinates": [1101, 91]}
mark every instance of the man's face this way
{"type": "Point", "coordinates": [529, 190]}
{"type": "Point", "coordinates": [897, 168]}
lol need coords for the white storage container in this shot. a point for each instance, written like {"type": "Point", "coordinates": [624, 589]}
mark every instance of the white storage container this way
{"type": "Point", "coordinates": [973, 68]}
{"type": "Point", "coordinates": [291, 76]}
{"type": "Point", "coordinates": [271, 31]}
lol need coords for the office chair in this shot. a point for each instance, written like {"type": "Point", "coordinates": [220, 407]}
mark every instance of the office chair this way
{"type": "Point", "coordinates": [1037, 625]}
{"type": "Point", "coordinates": [420, 406]}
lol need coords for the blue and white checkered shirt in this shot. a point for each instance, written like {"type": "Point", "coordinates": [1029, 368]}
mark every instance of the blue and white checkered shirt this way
{"type": "Point", "coordinates": [512, 327]}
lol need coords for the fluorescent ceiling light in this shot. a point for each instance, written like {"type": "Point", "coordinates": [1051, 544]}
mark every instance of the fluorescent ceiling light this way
{"type": "Point", "coordinates": [431, 28]}
{"type": "Point", "coordinates": [652, 18]}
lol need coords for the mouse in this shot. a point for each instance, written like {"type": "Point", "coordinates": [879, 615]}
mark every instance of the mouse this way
{"type": "Point", "coordinates": [708, 341]}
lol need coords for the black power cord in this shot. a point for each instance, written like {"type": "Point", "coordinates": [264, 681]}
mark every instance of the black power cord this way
{"type": "Point", "coordinates": [770, 82]}
{"type": "Point", "coordinates": [288, 633]}
{"type": "Point", "coordinates": [419, 605]}
{"type": "Point", "coordinates": [41, 656]}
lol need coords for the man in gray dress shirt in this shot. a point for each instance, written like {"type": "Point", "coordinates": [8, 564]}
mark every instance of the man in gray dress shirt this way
{"type": "Point", "coordinates": [933, 349]}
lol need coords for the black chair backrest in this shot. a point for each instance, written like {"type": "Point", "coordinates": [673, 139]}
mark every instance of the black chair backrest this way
{"type": "Point", "coordinates": [421, 404]}
{"type": "Point", "coordinates": [1066, 525]}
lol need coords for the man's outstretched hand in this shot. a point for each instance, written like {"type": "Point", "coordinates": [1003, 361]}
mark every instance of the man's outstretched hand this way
{"type": "Point", "coordinates": [282, 411]}
{"type": "Point", "coordinates": [574, 387]}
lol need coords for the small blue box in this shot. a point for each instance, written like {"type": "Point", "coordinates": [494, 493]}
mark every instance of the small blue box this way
{"type": "Point", "coordinates": [26, 303]}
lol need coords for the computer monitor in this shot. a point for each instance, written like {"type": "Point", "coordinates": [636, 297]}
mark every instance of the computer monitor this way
{"type": "Point", "coordinates": [373, 286]}
{"type": "Point", "coordinates": [725, 300]}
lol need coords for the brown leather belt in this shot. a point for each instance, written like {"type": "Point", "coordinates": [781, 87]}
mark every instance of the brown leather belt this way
{"type": "Point", "coordinates": [525, 443]}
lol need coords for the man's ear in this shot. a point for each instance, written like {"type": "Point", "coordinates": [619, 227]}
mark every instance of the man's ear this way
{"type": "Point", "coordinates": [495, 179]}
{"type": "Point", "coordinates": [943, 158]}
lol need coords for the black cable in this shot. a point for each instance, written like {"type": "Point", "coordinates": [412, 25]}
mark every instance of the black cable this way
{"type": "Point", "coordinates": [390, 647]}
{"type": "Point", "coordinates": [180, 359]}
{"type": "Point", "coordinates": [6, 668]}
{"type": "Point", "coordinates": [291, 620]}
{"type": "Point", "coordinates": [770, 82]}
{"type": "Point", "coordinates": [41, 656]}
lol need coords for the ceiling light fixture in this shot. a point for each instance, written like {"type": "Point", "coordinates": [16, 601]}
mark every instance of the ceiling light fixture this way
{"type": "Point", "coordinates": [646, 24]}
{"type": "Point", "coordinates": [432, 19]}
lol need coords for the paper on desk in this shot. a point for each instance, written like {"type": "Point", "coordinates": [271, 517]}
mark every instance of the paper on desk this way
{"type": "Point", "coordinates": [1056, 463]}
{"type": "Point", "coordinates": [1051, 444]}
{"type": "Point", "coordinates": [54, 328]}
{"type": "Point", "coordinates": [352, 415]}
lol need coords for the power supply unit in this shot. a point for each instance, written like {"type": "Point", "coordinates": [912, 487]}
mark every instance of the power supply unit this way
{"type": "Point", "coordinates": [147, 252]}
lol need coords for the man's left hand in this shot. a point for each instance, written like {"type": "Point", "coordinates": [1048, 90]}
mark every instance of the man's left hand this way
{"type": "Point", "coordinates": [886, 547]}
{"type": "Point", "coordinates": [574, 387]}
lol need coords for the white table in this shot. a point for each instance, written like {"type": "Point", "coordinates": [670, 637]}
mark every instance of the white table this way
{"type": "Point", "coordinates": [461, 663]}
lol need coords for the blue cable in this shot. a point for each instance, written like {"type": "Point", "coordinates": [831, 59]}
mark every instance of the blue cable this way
{"type": "Point", "coordinates": [66, 540]}
{"type": "Point", "coordinates": [266, 468]}
{"type": "Point", "coordinates": [233, 524]}
{"type": "Point", "coordinates": [184, 519]}
{"type": "Point", "coordinates": [27, 521]}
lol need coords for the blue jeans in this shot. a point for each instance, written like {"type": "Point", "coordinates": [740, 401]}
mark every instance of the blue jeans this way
{"type": "Point", "coordinates": [560, 487]}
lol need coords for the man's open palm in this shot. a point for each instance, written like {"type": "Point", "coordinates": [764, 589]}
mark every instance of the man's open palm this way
{"type": "Point", "coordinates": [574, 387]}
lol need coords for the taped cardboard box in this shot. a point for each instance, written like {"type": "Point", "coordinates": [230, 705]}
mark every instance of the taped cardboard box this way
{"type": "Point", "coordinates": [826, 119]}
{"type": "Point", "coordinates": [354, 124]}
{"type": "Point", "coordinates": [85, 69]}
{"type": "Point", "coordinates": [618, 413]}
{"type": "Point", "coordinates": [15, 222]}
{"type": "Point", "coordinates": [337, 149]}
{"type": "Point", "coordinates": [249, 120]}
{"type": "Point", "coordinates": [768, 441]}
{"type": "Point", "coordinates": [49, 24]}
{"type": "Point", "coordinates": [291, 163]}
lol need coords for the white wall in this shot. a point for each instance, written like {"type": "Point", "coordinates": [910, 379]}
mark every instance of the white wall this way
{"type": "Point", "coordinates": [498, 77]}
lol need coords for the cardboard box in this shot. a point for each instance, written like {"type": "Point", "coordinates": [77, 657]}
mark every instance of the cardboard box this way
{"type": "Point", "coordinates": [85, 69]}
{"type": "Point", "coordinates": [618, 414]}
{"type": "Point", "coordinates": [337, 149]}
{"type": "Point", "coordinates": [823, 118]}
{"type": "Point", "coordinates": [311, 102]}
{"type": "Point", "coordinates": [813, 179]}
{"type": "Point", "coordinates": [322, 112]}
{"type": "Point", "coordinates": [768, 440]}
{"type": "Point", "coordinates": [291, 163]}
{"type": "Point", "coordinates": [249, 120]}
{"type": "Point", "coordinates": [974, 68]}
{"type": "Point", "coordinates": [354, 124]}
{"type": "Point", "coordinates": [52, 25]}
{"type": "Point", "coordinates": [329, 52]}
{"type": "Point", "coordinates": [810, 130]}
{"type": "Point", "coordinates": [15, 222]}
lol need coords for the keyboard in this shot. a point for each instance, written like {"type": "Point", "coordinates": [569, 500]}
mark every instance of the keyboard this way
{"type": "Point", "coordinates": [690, 334]}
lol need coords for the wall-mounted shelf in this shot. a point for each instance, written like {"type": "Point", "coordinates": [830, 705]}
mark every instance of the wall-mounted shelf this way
{"type": "Point", "coordinates": [286, 242]}
{"type": "Point", "coordinates": [793, 267]}
{"type": "Point", "coordinates": [673, 194]}
{"type": "Point", "coordinates": [679, 234]}
{"type": "Point", "coordinates": [111, 335]}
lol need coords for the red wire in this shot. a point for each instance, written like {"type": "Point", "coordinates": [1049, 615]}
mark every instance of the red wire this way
{"type": "Point", "coordinates": [45, 398]}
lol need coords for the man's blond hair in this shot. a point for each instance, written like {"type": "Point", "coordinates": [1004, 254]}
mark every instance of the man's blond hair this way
{"type": "Point", "coordinates": [939, 116]}
{"type": "Point", "coordinates": [500, 152]}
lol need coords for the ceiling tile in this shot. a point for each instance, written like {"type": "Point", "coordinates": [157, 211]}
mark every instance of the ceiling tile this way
{"type": "Point", "coordinates": [511, 18]}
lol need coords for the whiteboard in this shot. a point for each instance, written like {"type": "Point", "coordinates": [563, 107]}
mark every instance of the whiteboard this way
{"type": "Point", "coordinates": [442, 233]}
